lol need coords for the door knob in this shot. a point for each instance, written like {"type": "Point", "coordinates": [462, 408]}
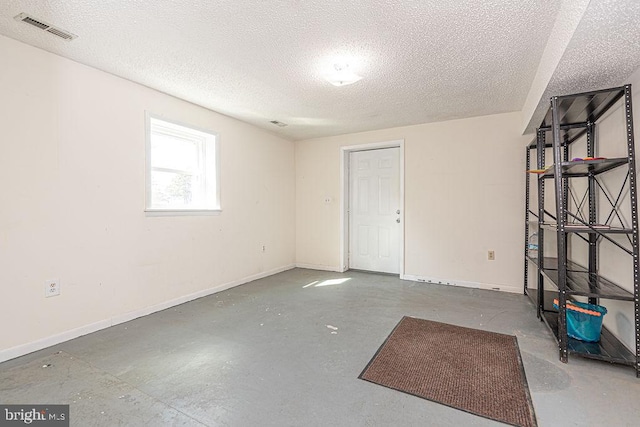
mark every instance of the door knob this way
{"type": "Point", "coordinates": [398, 220]}
{"type": "Point", "coordinates": [398, 211]}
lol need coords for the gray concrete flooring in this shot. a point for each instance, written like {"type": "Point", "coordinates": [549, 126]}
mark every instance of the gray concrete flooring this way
{"type": "Point", "coordinates": [262, 354]}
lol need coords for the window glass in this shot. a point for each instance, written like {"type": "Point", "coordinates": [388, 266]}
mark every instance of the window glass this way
{"type": "Point", "coordinates": [182, 168]}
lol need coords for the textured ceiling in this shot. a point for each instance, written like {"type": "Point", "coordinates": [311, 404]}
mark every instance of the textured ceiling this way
{"type": "Point", "coordinates": [422, 60]}
{"type": "Point", "coordinates": [603, 52]}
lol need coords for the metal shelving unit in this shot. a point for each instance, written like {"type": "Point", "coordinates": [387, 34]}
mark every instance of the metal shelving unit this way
{"type": "Point", "coordinates": [573, 118]}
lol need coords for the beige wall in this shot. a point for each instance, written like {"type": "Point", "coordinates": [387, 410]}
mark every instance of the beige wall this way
{"type": "Point", "coordinates": [73, 182]}
{"type": "Point", "coordinates": [72, 168]}
{"type": "Point", "coordinates": [464, 195]}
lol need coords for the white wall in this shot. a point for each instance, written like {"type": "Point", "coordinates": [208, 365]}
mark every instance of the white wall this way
{"type": "Point", "coordinates": [464, 195]}
{"type": "Point", "coordinates": [72, 158]}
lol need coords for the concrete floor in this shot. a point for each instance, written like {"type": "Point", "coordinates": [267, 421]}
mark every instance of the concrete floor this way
{"type": "Point", "coordinates": [262, 354]}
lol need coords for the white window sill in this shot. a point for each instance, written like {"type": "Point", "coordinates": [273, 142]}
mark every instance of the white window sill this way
{"type": "Point", "coordinates": [182, 212]}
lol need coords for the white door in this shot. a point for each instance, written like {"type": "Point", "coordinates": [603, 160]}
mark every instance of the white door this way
{"type": "Point", "coordinates": [374, 210]}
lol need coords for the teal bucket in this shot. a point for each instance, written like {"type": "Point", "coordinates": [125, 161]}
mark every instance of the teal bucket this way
{"type": "Point", "coordinates": [584, 326]}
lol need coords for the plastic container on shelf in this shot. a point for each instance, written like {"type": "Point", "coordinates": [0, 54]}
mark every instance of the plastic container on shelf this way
{"type": "Point", "coordinates": [584, 321]}
{"type": "Point", "coordinates": [532, 248]}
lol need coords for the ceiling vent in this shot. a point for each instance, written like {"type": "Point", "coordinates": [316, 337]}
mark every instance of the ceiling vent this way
{"type": "Point", "coordinates": [66, 35]}
{"type": "Point", "coordinates": [277, 123]}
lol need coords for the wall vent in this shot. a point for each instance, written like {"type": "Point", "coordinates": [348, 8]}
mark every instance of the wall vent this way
{"type": "Point", "coordinates": [38, 23]}
{"type": "Point", "coordinates": [277, 123]}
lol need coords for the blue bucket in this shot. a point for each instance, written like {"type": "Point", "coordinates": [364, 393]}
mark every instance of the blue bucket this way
{"type": "Point", "coordinates": [584, 326]}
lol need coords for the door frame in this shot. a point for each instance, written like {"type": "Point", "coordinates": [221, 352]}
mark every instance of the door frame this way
{"type": "Point", "coordinates": [344, 198]}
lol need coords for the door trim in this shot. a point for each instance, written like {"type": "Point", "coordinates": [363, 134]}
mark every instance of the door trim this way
{"type": "Point", "coordinates": [344, 198]}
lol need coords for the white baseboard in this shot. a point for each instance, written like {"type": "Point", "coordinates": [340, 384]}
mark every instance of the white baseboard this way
{"type": "Point", "coordinates": [320, 267]}
{"type": "Point", "coordinates": [23, 349]}
{"type": "Point", "coordinates": [464, 284]}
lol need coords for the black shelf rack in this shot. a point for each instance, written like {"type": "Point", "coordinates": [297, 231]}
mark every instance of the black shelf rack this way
{"type": "Point", "coordinates": [583, 168]}
{"type": "Point", "coordinates": [573, 118]}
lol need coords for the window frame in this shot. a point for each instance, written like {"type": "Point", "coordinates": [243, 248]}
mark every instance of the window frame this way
{"type": "Point", "coordinates": [204, 148]}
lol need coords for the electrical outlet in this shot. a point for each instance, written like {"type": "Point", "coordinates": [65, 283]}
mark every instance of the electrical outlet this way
{"type": "Point", "coordinates": [264, 248]}
{"type": "Point", "coordinates": [51, 288]}
{"type": "Point", "coordinates": [491, 255]}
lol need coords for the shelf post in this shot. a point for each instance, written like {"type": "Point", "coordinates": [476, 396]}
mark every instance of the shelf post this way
{"type": "Point", "coordinates": [540, 151]}
{"type": "Point", "coordinates": [634, 217]}
{"type": "Point", "coordinates": [526, 221]}
{"type": "Point", "coordinates": [561, 215]}
{"type": "Point", "coordinates": [593, 212]}
{"type": "Point", "coordinates": [565, 181]}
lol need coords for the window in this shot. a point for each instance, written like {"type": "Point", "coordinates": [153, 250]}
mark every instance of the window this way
{"type": "Point", "coordinates": [182, 168]}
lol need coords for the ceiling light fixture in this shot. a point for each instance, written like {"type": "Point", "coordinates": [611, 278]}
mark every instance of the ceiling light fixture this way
{"type": "Point", "coordinates": [342, 75]}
